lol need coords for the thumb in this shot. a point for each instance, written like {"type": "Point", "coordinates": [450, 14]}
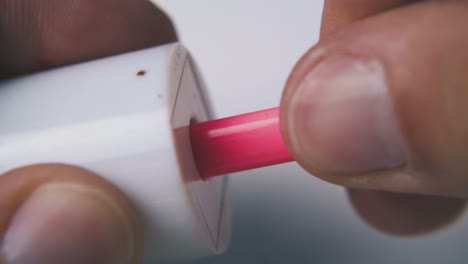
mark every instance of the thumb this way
{"type": "Point", "coordinates": [62, 214]}
{"type": "Point", "coordinates": [383, 104]}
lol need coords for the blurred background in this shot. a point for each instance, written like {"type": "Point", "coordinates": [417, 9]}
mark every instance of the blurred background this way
{"type": "Point", "coordinates": [245, 50]}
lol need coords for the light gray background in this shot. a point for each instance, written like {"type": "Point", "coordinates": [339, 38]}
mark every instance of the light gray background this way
{"type": "Point", "coordinates": [245, 50]}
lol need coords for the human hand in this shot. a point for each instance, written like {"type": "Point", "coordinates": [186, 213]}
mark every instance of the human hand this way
{"type": "Point", "coordinates": [53, 213]}
{"type": "Point", "coordinates": [380, 106]}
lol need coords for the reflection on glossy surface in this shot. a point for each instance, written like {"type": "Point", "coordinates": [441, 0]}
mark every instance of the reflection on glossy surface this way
{"type": "Point", "coordinates": [239, 143]}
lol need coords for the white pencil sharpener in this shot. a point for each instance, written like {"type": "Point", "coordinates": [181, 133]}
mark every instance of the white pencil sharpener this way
{"type": "Point", "coordinates": [127, 119]}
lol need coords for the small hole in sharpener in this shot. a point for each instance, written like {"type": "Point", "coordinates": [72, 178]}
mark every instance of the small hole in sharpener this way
{"type": "Point", "coordinates": [141, 73]}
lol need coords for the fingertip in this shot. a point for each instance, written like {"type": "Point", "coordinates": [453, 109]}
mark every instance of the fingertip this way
{"type": "Point", "coordinates": [84, 218]}
{"type": "Point", "coordinates": [339, 116]}
{"type": "Point", "coordinates": [373, 106]}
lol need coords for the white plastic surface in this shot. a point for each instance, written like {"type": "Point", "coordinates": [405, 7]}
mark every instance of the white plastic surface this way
{"type": "Point", "coordinates": [125, 118]}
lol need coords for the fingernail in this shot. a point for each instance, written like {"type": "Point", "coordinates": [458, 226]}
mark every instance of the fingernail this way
{"type": "Point", "coordinates": [341, 118]}
{"type": "Point", "coordinates": [67, 223]}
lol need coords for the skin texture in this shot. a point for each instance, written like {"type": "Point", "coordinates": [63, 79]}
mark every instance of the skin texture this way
{"type": "Point", "coordinates": [38, 35]}
{"type": "Point", "coordinates": [18, 186]}
{"type": "Point", "coordinates": [339, 14]}
{"type": "Point", "coordinates": [427, 88]}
